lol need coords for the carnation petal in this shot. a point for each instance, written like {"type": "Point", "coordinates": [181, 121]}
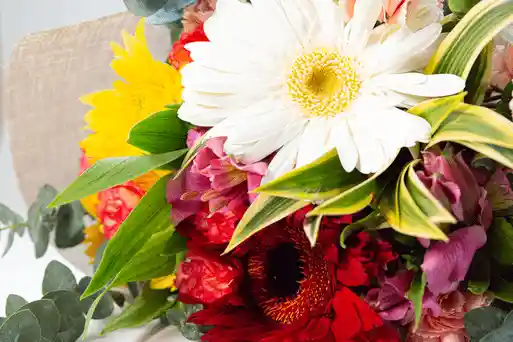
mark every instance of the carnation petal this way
{"type": "Point", "coordinates": [446, 264]}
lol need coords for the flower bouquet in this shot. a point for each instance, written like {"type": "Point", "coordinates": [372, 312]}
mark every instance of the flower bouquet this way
{"type": "Point", "coordinates": [299, 170]}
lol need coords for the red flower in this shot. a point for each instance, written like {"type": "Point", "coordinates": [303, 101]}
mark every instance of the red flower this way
{"type": "Point", "coordinates": [205, 278]}
{"type": "Point", "coordinates": [179, 55]}
{"type": "Point", "coordinates": [289, 293]}
{"type": "Point", "coordinates": [116, 204]}
{"type": "Point", "coordinates": [364, 261]}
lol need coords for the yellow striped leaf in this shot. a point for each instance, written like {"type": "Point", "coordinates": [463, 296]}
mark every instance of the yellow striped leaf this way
{"type": "Point", "coordinates": [499, 154]}
{"type": "Point", "coordinates": [479, 77]}
{"type": "Point", "coordinates": [475, 124]}
{"type": "Point", "coordinates": [459, 50]}
{"type": "Point", "coordinates": [435, 111]}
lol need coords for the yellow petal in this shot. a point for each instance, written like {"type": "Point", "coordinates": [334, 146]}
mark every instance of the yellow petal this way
{"type": "Point", "coordinates": [167, 282]}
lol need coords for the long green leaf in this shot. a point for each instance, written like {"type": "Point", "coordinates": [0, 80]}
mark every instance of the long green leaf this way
{"type": "Point", "coordinates": [475, 124]}
{"type": "Point", "coordinates": [311, 227]}
{"type": "Point", "coordinates": [499, 154]}
{"type": "Point", "coordinates": [152, 215]}
{"type": "Point", "coordinates": [153, 260]}
{"type": "Point", "coordinates": [160, 133]}
{"type": "Point", "coordinates": [321, 179]}
{"type": "Point", "coordinates": [264, 211]}
{"type": "Point", "coordinates": [146, 307]}
{"type": "Point", "coordinates": [459, 50]}
{"type": "Point", "coordinates": [500, 241]}
{"type": "Point", "coordinates": [435, 111]}
{"type": "Point", "coordinates": [416, 293]}
{"type": "Point", "coordinates": [371, 221]}
{"type": "Point", "coordinates": [479, 77]}
{"type": "Point", "coordinates": [107, 173]}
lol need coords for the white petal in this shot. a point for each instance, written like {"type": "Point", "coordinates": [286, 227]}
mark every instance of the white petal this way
{"type": "Point", "coordinates": [314, 141]}
{"type": "Point", "coordinates": [425, 85]}
{"type": "Point", "coordinates": [199, 115]}
{"type": "Point", "coordinates": [365, 15]}
{"type": "Point", "coordinates": [342, 139]}
{"type": "Point", "coordinates": [283, 162]}
{"type": "Point", "coordinates": [225, 100]}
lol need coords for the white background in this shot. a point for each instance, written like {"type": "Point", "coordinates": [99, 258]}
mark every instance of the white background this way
{"type": "Point", "coordinates": [20, 272]}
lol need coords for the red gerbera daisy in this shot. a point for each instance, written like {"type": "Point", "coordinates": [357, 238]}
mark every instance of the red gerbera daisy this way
{"type": "Point", "coordinates": [284, 290]}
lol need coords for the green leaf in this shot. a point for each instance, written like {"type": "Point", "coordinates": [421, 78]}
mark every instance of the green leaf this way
{"type": "Point", "coordinates": [92, 308]}
{"type": "Point", "coordinates": [99, 255]}
{"type": "Point", "coordinates": [479, 273]}
{"type": "Point", "coordinates": [70, 310]}
{"type": "Point", "coordinates": [58, 277]}
{"type": "Point", "coordinates": [70, 225]}
{"type": "Point", "coordinates": [107, 173]}
{"type": "Point", "coordinates": [191, 154]}
{"type": "Point", "coordinates": [461, 6]}
{"type": "Point", "coordinates": [75, 330]}
{"type": "Point", "coordinates": [503, 334]}
{"type": "Point", "coordinates": [458, 51]}
{"type": "Point", "coordinates": [500, 241]}
{"type": "Point", "coordinates": [502, 289]}
{"type": "Point", "coordinates": [311, 227]}
{"type": "Point", "coordinates": [416, 293]}
{"type": "Point", "coordinates": [475, 124]}
{"type": "Point", "coordinates": [105, 306]}
{"type": "Point", "coordinates": [403, 213]}
{"type": "Point", "coordinates": [42, 220]}
{"type": "Point", "coordinates": [350, 201]}
{"type": "Point", "coordinates": [479, 322]}
{"type": "Point", "coordinates": [500, 154]}
{"type": "Point", "coordinates": [152, 215]}
{"type": "Point", "coordinates": [371, 221]}
{"type": "Point", "coordinates": [160, 133]}
{"type": "Point", "coordinates": [47, 316]}
{"type": "Point", "coordinates": [155, 259]}
{"type": "Point", "coordinates": [322, 179]}
{"type": "Point", "coordinates": [146, 307]}
{"type": "Point", "coordinates": [13, 304]}
{"type": "Point", "coordinates": [20, 327]}
{"type": "Point", "coordinates": [479, 77]}
{"type": "Point", "coordinates": [9, 218]}
{"type": "Point", "coordinates": [435, 111]}
{"type": "Point", "coordinates": [264, 211]}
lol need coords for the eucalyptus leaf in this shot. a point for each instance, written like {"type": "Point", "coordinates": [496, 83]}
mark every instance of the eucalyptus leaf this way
{"type": "Point", "coordinates": [14, 221]}
{"type": "Point", "coordinates": [190, 331]}
{"type": "Point", "coordinates": [481, 321]}
{"type": "Point", "coordinates": [70, 225]}
{"type": "Point", "coordinates": [150, 305]}
{"type": "Point", "coordinates": [47, 316]}
{"type": "Point", "coordinates": [13, 304]}
{"type": "Point", "coordinates": [144, 7]}
{"type": "Point", "coordinates": [110, 172]}
{"type": "Point", "coordinates": [105, 306]}
{"type": "Point", "coordinates": [76, 326]}
{"type": "Point", "coordinates": [152, 215]}
{"type": "Point", "coordinates": [70, 310]}
{"type": "Point", "coordinates": [20, 327]}
{"type": "Point", "coordinates": [58, 277]}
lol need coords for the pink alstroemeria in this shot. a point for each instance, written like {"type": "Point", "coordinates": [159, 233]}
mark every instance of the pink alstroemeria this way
{"type": "Point", "coordinates": [213, 178]}
{"type": "Point", "coordinates": [446, 263]}
{"type": "Point", "coordinates": [499, 190]}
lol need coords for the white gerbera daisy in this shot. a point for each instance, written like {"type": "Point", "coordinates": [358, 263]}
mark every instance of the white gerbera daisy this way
{"type": "Point", "coordinates": [291, 76]}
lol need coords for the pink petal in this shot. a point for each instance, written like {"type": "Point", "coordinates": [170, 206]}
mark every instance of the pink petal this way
{"type": "Point", "coordinates": [217, 146]}
{"type": "Point", "coordinates": [446, 264]}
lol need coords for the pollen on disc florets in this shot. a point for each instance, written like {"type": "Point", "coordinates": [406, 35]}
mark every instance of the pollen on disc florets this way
{"type": "Point", "coordinates": [324, 83]}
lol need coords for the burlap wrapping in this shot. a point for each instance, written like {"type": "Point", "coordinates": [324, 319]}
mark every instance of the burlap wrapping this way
{"type": "Point", "coordinates": [47, 74]}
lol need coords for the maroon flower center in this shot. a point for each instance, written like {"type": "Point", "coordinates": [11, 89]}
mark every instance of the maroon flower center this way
{"type": "Point", "coordinates": [289, 279]}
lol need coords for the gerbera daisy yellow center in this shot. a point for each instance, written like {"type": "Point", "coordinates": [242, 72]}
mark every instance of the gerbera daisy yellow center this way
{"type": "Point", "coordinates": [324, 83]}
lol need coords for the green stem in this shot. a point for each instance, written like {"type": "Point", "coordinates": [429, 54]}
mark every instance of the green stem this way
{"type": "Point", "coordinates": [14, 226]}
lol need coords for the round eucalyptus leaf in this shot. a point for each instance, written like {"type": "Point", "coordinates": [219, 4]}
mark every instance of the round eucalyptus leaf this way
{"type": "Point", "coordinates": [13, 304]}
{"type": "Point", "coordinates": [104, 308]}
{"type": "Point", "coordinates": [20, 327]}
{"type": "Point", "coordinates": [190, 331]}
{"type": "Point", "coordinates": [74, 331]}
{"type": "Point", "coordinates": [144, 7]}
{"type": "Point", "coordinates": [47, 316]}
{"type": "Point", "coordinates": [2, 319]}
{"type": "Point", "coordinates": [58, 277]}
{"type": "Point", "coordinates": [68, 304]}
{"type": "Point", "coordinates": [481, 321]}
{"type": "Point", "coordinates": [70, 225]}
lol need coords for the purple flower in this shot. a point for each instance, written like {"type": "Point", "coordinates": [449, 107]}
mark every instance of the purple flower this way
{"type": "Point", "coordinates": [499, 190]}
{"type": "Point", "coordinates": [446, 264]}
{"type": "Point", "coordinates": [213, 178]}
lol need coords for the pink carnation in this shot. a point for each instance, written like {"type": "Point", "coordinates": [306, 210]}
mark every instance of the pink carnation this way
{"type": "Point", "coordinates": [448, 324]}
{"type": "Point", "coordinates": [213, 178]}
{"type": "Point", "coordinates": [502, 65]}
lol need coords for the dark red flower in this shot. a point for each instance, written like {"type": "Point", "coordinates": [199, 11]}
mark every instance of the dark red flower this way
{"type": "Point", "coordinates": [290, 291]}
{"type": "Point", "coordinates": [205, 278]}
{"type": "Point", "coordinates": [179, 55]}
{"type": "Point", "coordinates": [364, 261]}
{"type": "Point", "coordinates": [115, 204]}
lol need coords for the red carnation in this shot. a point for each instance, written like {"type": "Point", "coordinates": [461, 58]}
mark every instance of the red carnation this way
{"type": "Point", "coordinates": [116, 204]}
{"type": "Point", "coordinates": [364, 261]}
{"type": "Point", "coordinates": [179, 55]}
{"type": "Point", "coordinates": [205, 278]}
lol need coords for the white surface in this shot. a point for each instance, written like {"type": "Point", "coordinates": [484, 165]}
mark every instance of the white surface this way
{"type": "Point", "coordinates": [20, 272]}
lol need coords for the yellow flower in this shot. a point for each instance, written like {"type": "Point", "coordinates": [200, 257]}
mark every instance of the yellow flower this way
{"type": "Point", "coordinates": [94, 238]}
{"type": "Point", "coordinates": [148, 85]}
{"type": "Point", "coordinates": [167, 282]}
